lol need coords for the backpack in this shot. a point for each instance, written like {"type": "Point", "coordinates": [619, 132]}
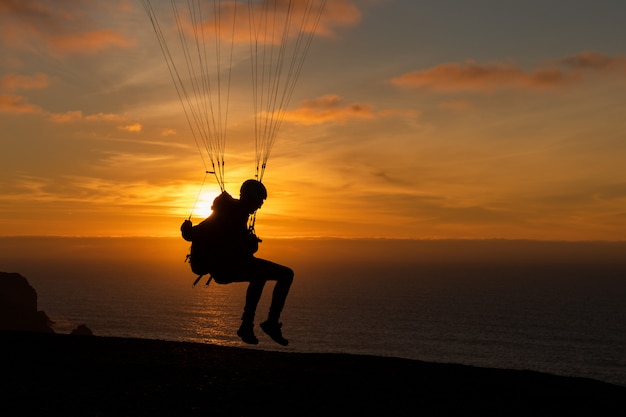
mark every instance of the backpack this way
{"type": "Point", "coordinates": [202, 252]}
{"type": "Point", "coordinates": [214, 245]}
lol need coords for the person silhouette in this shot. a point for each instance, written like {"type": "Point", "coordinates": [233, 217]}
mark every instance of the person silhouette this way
{"type": "Point", "coordinates": [225, 248]}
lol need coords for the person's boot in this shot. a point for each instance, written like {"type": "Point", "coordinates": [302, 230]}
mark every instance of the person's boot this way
{"type": "Point", "coordinates": [272, 329]}
{"type": "Point", "coordinates": [246, 333]}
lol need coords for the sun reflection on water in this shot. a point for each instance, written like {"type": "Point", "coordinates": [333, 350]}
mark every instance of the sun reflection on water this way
{"type": "Point", "coordinates": [213, 314]}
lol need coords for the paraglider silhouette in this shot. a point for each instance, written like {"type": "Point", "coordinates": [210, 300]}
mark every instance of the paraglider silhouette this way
{"type": "Point", "coordinates": [202, 42]}
{"type": "Point", "coordinates": [223, 246]}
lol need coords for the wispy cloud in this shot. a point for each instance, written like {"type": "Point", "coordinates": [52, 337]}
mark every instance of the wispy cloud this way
{"type": "Point", "coordinates": [331, 108]}
{"type": "Point", "coordinates": [14, 104]}
{"type": "Point", "coordinates": [88, 41]}
{"type": "Point", "coordinates": [133, 127]}
{"type": "Point", "coordinates": [14, 82]}
{"type": "Point", "coordinates": [281, 17]}
{"type": "Point", "coordinates": [338, 13]}
{"type": "Point", "coordinates": [79, 116]}
{"type": "Point", "coordinates": [477, 77]}
{"type": "Point", "coordinates": [94, 191]}
{"type": "Point", "coordinates": [63, 27]}
{"type": "Point", "coordinates": [17, 105]}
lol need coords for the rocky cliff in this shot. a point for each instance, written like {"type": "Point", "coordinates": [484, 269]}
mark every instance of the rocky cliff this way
{"type": "Point", "coordinates": [18, 306]}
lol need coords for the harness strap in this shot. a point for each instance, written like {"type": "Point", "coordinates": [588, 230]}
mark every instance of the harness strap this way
{"type": "Point", "coordinates": [207, 282]}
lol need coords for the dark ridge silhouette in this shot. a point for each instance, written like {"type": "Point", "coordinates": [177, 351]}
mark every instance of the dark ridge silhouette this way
{"type": "Point", "coordinates": [55, 374]}
{"type": "Point", "coordinates": [52, 374]}
{"type": "Point", "coordinates": [18, 306]}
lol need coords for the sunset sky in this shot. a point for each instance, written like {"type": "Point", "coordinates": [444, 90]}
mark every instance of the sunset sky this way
{"type": "Point", "coordinates": [411, 119]}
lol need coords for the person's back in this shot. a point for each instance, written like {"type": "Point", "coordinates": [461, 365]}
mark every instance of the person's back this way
{"type": "Point", "coordinates": [222, 239]}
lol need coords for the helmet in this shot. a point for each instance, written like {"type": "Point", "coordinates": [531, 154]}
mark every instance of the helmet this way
{"type": "Point", "coordinates": [254, 189]}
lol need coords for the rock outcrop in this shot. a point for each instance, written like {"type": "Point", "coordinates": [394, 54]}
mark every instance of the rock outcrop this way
{"type": "Point", "coordinates": [18, 306]}
{"type": "Point", "coordinates": [82, 330]}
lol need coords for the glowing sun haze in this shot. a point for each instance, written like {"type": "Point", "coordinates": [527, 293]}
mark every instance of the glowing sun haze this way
{"type": "Point", "coordinates": [411, 119]}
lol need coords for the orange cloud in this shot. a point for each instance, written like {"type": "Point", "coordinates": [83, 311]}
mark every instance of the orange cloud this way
{"type": "Point", "coordinates": [270, 19]}
{"type": "Point", "coordinates": [328, 108]}
{"type": "Point", "coordinates": [88, 42]}
{"type": "Point", "coordinates": [107, 117]}
{"type": "Point", "coordinates": [13, 82]}
{"type": "Point", "coordinates": [168, 132]}
{"type": "Point", "coordinates": [135, 127]}
{"type": "Point", "coordinates": [471, 76]}
{"type": "Point", "coordinates": [17, 105]}
{"type": "Point", "coordinates": [77, 115]}
{"type": "Point", "coordinates": [331, 107]}
{"type": "Point", "coordinates": [338, 13]}
{"type": "Point", "coordinates": [61, 27]}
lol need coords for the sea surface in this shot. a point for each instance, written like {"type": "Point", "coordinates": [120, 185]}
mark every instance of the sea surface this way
{"type": "Point", "coordinates": [554, 307]}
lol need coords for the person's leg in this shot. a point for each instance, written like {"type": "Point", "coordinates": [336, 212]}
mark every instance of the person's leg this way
{"type": "Point", "coordinates": [262, 270]}
{"type": "Point", "coordinates": [283, 276]}
{"type": "Point", "coordinates": [253, 295]}
{"type": "Point", "coordinates": [257, 272]}
{"type": "Point", "coordinates": [284, 279]}
{"type": "Point", "coordinates": [243, 272]}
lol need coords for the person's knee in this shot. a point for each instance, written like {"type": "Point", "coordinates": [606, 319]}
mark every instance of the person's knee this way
{"type": "Point", "coordinates": [288, 275]}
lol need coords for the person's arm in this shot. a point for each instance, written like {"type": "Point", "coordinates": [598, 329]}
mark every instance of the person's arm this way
{"type": "Point", "coordinates": [187, 230]}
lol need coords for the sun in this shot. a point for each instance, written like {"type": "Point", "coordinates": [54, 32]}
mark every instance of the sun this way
{"type": "Point", "coordinates": [202, 208]}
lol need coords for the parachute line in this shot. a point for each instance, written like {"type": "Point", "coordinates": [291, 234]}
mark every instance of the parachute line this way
{"type": "Point", "coordinates": [274, 76]}
{"type": "Point", "coordinates": [197, 39]}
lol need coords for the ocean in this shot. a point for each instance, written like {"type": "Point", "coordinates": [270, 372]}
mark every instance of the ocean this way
{"type": "Point", "coordinates": [556, 307]}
